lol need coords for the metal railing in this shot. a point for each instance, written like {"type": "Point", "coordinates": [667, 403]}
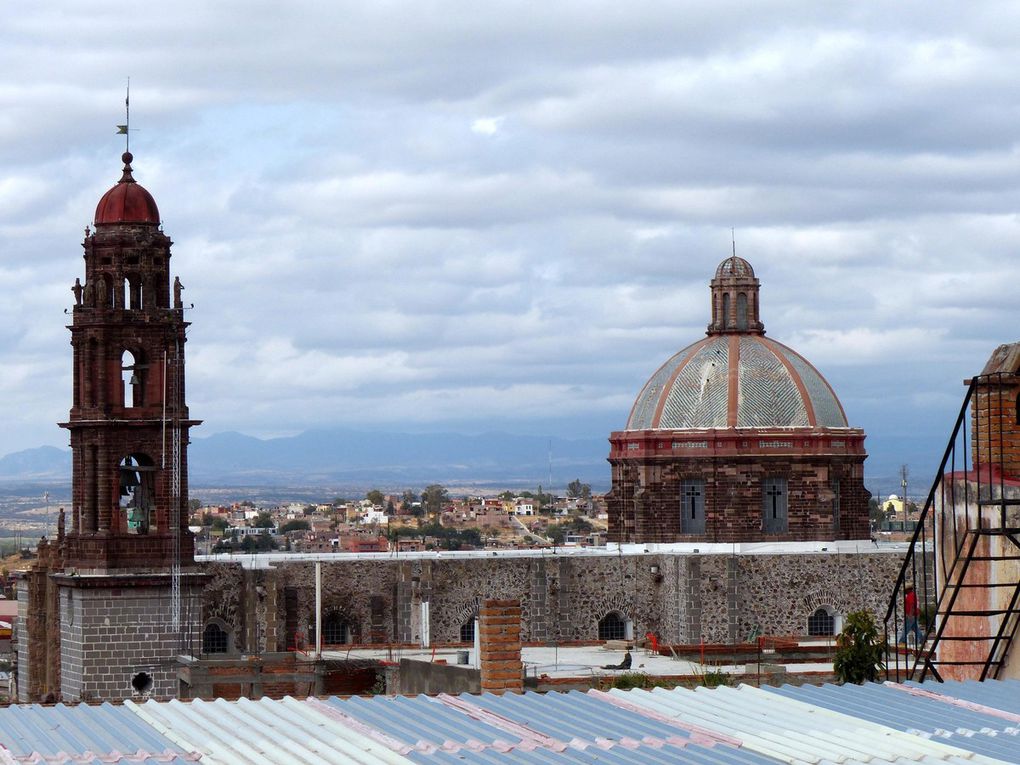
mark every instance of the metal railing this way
{"type": "Point", "coordinates": [966, 505]}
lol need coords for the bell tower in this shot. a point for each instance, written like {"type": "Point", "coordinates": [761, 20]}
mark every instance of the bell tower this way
{"type": "Point", "coordinates": [129, 422]}
{"type": "Point", "coordinates": [116, 598]}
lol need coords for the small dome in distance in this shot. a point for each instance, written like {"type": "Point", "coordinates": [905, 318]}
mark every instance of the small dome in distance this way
{"type": "Point", "coordinates": [734, 266]}
{"type": "Point", "coordinates": [127, 202]}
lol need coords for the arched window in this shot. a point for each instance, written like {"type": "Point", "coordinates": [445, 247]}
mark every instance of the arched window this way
{"type": "Point", "coordinates": [741, 310]}
{"type": "Point", "coordinates": [134, 295]}
{"type": "Point", "coordinates": [725, 311]}
{"type": "Point", "coordinates": [335, 630]}
{"type": "Point", "coordinates": [215, 639]}
{"type": "Point", "coordinates": [822, 622]}
{"type": "Point", "coordinates": [467, 631]}
{"type": "Point", "coordinates": [613, 627]}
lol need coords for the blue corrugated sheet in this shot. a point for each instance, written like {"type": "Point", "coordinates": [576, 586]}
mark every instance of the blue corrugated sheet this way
{"type": "Point", "coordinates": [932, 710]}
{"type": "Point", "coordinates": [106, 733]}
{"type": "Point", "coordinates": [568, 727]}
{"type": "Point", "coordinates": [1001, 694]}
{"type": "Point", "coordinates": [934, 724]}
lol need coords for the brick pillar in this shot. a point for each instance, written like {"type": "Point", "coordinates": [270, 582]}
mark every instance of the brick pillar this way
{"type": "Point", "coordinates": [499, 624]}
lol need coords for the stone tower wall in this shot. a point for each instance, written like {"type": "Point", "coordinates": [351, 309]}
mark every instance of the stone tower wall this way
{"type": "Point", "coordinates": [111, 633]}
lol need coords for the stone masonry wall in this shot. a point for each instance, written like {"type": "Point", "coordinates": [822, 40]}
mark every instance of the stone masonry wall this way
{"type": "Point", "coordinates": [683, 598]}
{"type": "Point", "coordinates": [645, 503]}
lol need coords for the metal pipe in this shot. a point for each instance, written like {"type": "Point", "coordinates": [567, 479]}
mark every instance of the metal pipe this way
{"type": "Point", "coordinates": [318, 609]}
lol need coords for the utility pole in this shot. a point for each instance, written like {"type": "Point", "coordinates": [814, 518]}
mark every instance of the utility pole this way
{"type": "Point", "coordinates": [904, 473]}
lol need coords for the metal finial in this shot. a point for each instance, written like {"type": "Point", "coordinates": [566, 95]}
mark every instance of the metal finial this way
{"type": "Point", "coordinates": [125, 129]}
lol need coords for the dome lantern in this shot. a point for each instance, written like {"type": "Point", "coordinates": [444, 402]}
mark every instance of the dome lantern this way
{"type": "Point", "coordinates": [735, 299]}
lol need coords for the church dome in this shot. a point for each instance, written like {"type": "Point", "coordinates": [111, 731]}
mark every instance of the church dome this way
{"type": "Point", "coordinates": [728, 381]}
{"type": "Point", "coordinates": [127, 202]}
{"type": "Point", "coordinates": [736, 377]}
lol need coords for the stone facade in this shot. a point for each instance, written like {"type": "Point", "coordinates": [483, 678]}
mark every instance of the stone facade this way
{"type": "Point", "coordinates": [826, 498]}
{"type": "Point", "coordinates": [681, 596]}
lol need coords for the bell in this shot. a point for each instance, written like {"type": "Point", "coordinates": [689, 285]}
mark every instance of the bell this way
{"type": "Point", "coordinates": [135, 379]}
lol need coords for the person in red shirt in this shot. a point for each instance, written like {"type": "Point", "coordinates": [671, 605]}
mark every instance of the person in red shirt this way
{"type": "Point", "coordinates": [910, 613]}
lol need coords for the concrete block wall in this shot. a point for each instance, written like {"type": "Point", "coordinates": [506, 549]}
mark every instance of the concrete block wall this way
{"type": "Point", "coordinates": [108, 635]}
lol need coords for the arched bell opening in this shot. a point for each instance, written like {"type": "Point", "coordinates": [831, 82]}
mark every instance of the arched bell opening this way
{"type": "Point", "coordinates": [132, 373]}
{"type": "Point", "coordinates": [138, 493]}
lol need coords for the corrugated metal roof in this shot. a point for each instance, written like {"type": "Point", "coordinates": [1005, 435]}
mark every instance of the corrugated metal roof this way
{"type": "Point", "coordinates": [104, 733]}
{"type": "Point", "coordinates": [925, 711]}
{"type": "Point", "coordinates": [264, 731]}
{"type": "Point", "coordinates": [791, 731]}
{"type": "Point", "coordinates": [1001, 694]}
{"type": "Point", "coordinates": [951, 724]}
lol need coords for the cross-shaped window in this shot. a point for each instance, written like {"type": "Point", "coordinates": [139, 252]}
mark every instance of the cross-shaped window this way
{"type": "Point", "coordinates": [774, 510]}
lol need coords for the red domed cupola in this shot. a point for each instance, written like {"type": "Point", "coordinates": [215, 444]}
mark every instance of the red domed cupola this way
{"type": "Point", "coordinates": [127, 202]}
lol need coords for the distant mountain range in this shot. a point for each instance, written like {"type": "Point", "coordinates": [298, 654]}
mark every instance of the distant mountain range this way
{"type": "Point", "coordinates": [354, 457]}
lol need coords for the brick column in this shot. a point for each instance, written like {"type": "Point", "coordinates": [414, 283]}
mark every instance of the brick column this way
{"type": "Point", "coordinates": [499, 624]}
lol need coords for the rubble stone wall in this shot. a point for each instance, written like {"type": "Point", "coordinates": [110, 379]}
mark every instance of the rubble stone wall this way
{"type": "Point", "coordinates": [683, 598]}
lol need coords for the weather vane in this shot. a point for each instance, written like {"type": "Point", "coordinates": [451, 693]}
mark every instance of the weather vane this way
{"type": "Point", "coordinates": [125, 128]}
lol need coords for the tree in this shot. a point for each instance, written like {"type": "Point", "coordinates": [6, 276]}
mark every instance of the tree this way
{"type": "Point", "coordinates": [407, 500]}
{"type": "Point", "coordinates": [577, 489]}
{"type": "Point", "coordinates": [390, 509]}
{"type": "Point", "coordinates": [434, 497]}
{"type": "Point", "coordinates": [309, 510]}
{"type": "Point", "coordinates": [194, 504]}
{"type": "Point", "coordinates": [263, 520]}
{"type": "Point", "coordinates": [375, 497]}
{"type": "Point", "coordinates": [219, 523]}
{"type": "Point", "coordinates": [875, 512]}
{"type": "Point", "coordinates": [859, 650]}
{"type": "Point", "coordinates": [506, 495]}
{"type": "Point", "coordinates": [295, 525]}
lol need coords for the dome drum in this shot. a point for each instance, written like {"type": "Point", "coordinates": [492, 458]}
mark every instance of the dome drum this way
{"type": "Point", "coordinates": [670, 444]}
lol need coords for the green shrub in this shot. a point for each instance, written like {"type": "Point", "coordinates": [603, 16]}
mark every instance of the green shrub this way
{"type": "Point", "coordinates": [859, 650]}
{"type": "Point", "coordinates": [713, 678]}
{"type": "Point", "coordinates": [629, 680]}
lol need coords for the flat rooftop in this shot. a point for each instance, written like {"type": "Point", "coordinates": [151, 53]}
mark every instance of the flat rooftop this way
{"type": "Point", "coordinates": [613, 550]}
{"type": "Point", "coordinates": [561, 662]}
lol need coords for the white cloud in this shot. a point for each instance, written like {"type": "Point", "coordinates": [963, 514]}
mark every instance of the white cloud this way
{"type": "Point", "coordinates": [488, 126]}
{"type": "Point", "coordinates": [386, 215]}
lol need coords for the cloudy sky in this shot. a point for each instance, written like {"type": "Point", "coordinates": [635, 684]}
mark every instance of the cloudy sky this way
{"type": "Point", "coordinates": [481, 216]}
